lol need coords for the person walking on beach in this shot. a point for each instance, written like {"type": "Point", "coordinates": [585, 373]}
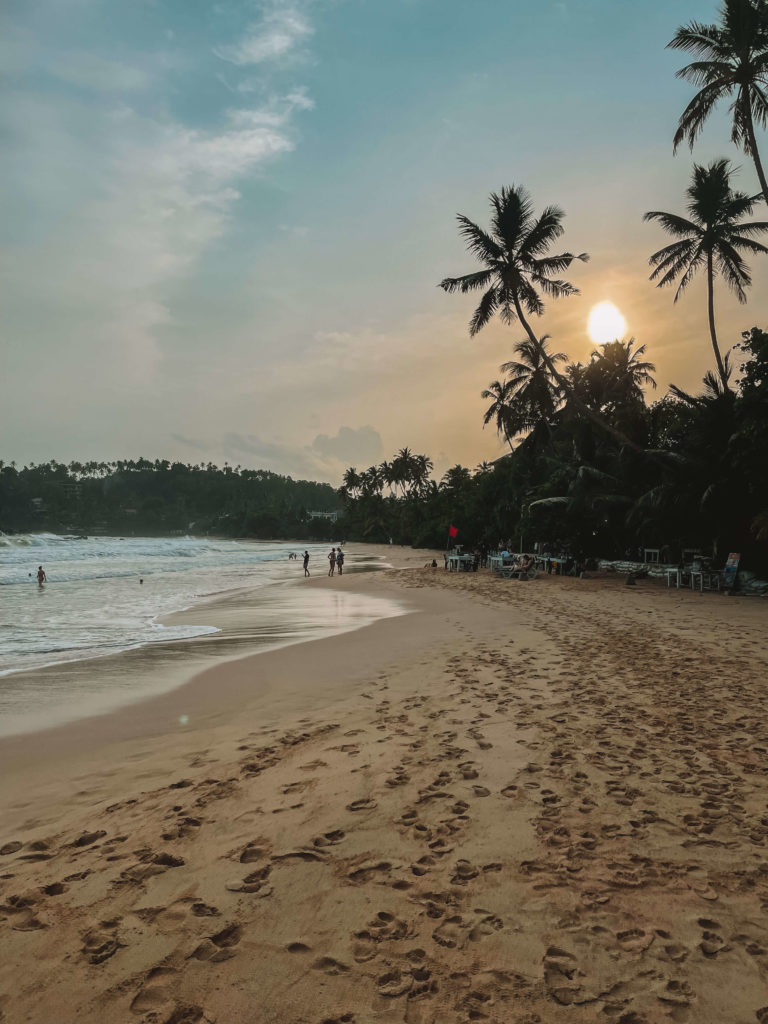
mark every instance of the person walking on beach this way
{"type": "Point", "coordinates": [339, 560]}
{"type": "Point", "coordinates": [41, 577]}
{"type": "Point", "coordinates": [306, 563]}
{"type": "Point", "coordinates": [332, 560]}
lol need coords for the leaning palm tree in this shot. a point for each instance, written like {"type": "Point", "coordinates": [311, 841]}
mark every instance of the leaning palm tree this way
{"type": "Point", "coordinates": [515, 268]}
{"type": "Point", "coordinates": [713, 238]}
{"type": "Point", "coordinates": [516, 264]}
{"type": "Point", "coordinates": [732, 61]}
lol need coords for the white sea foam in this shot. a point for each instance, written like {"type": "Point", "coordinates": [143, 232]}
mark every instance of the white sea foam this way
{"type": "Point", "coordinates": [94, 605]}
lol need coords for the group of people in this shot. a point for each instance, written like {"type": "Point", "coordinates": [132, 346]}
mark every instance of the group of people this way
{"type": "Point", "coordinates": [335, 561]}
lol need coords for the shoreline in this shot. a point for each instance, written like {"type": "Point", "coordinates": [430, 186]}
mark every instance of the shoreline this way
{"type": "Point", "coordinates": [523, 799]}
{"type": "Point", "coordinates": [223, 634]}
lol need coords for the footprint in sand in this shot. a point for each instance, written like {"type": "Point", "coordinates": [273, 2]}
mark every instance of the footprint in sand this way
{"type": "Point", "coordinates": [55, 889]}
{"type": "Point", "coordinates": [219, 947]}
{"type": "Point", "coordinates": [464, 872]}
{"type": "Point", "coordinates": [185, 1014]}
{"type": "Point", "coordinates": [369, 871]}
{"type": "Point", "coordinates": [329, 838]}
{"type": "Point", "coordinates": [257, 849]}
{"type": "Point", "coordinates": [449, 934]}
{"type": "Point", "coordinates": [155, 993]}
{"type": "Point", "coordinates": [204, 910]}
{"type": "Point", "coordinates": [328, 965]}
{"type": "Point", "coordinates": [100, 943]}
{"type": "Point", "coordinates": [255, 882]}
{"type": "Point", "coordinates": [395, 983]}
{"type": "Point", "coordinates": [87, 838]}
{"type": "Point", "coordinates": [23, 915]}
{"type": "Point", "coordinates": [635, 940]}
{"type": "Point", "coordinates": [151, 864]}
{"type": "Point", "coordinates": [367, 804]}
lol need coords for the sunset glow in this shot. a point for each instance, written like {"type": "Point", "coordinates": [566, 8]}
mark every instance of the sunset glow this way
{"type": "Point", "coordinates": [605, 323]}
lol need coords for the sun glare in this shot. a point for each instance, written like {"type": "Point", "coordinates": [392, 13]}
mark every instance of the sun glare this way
{"type": "Point", "coordinates": [605, 323]}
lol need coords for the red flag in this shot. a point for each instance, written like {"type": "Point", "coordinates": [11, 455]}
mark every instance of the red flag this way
{"type": "Point", "coordinates": [452, 531]}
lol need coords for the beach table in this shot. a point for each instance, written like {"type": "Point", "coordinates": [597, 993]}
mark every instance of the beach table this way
{"type": "Point", "coordinates": [673, 574]}
{"type": "Point", "coordinates": [495, 562]}
{"type": "Point", "coordinates": [457, 563]}
{"type": "Point", "coordinates": [705, 580]}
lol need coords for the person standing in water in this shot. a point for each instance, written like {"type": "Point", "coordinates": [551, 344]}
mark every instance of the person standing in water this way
{"type": "Point", "coordinates": [332, 561]}
{"type": "Point", "coordinates": [339, 560]}
{"type": "Point", "coordinates": [41, 577]}
{"type": "Point", "coordinates": [306, 563]}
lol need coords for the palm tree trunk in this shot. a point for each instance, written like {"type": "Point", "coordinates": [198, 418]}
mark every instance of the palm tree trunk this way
{"type": "Point", "coordinates": [711, 311]}
{"type": "Point", "coordinates": [596, 418]}
{"type": "Point", "coordinates": [753, 152]}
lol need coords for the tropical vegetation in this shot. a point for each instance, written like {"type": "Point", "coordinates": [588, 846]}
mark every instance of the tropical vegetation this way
{"type": "Point", "coordinates": [146, 497]}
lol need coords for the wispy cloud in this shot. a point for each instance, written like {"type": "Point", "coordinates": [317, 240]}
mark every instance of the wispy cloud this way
{"type": "Point", "coordinates": [150, 196]}
{"type": "Point", "coordinates": [280, 32]}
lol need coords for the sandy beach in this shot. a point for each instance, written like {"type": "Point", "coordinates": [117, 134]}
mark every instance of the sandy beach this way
{"type": "Point", "coordinates": [520, 803]}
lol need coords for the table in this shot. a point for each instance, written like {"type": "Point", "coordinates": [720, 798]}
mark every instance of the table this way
{"type": "Point", "coordinates": [705, 580]}
{"type": "Point", "coordinates": [495, 562]}
{"type": "Point", "coordinates": [674, 574]}
{"type": "Point", "coordinates": [458, 562]}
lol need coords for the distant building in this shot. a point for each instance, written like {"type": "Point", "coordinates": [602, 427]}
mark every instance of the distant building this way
{"type": "Point", "coordinates": [330, 516]}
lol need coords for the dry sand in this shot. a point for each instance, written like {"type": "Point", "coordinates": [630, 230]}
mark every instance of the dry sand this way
{"type": "Point", "coordinates": [523, 803]}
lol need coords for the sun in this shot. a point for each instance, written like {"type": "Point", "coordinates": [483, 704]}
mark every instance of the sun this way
{"type": "Point", "coordinates": [605, 323]}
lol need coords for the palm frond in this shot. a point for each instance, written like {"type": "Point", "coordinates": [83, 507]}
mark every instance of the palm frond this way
{"type": "Point", "coordinates": [479, 242]}
{"type": "Point", "coordinates": [484, 312]}
{"type": "Point", "coordinates": [467, 283]}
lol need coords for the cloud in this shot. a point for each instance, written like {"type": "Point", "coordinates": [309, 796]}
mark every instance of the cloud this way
{"type": "Point", "coordinates": [362, 446]}
{"type": "Point", "coordinates": [278, 457]}
{"type": "Point", "coordinates": [279, 33]}
{"type": "Point", "coordinates": [145, 198]}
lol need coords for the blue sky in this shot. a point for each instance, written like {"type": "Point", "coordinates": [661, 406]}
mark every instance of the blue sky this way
{"type": "Point", "coordinates": [224, 223]}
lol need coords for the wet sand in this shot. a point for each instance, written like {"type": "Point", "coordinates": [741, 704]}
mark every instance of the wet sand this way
{"type": "Point", "coordinates": [522, 802]}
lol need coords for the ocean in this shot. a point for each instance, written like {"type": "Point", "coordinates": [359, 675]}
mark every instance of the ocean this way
{"type": "Point", "coordinates": [93, 605]}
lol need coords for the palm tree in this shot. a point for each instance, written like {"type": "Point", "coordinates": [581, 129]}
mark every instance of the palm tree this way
{"type": "Point", "coordinates": [536, 394]}
{"type": "Point", "coordinates": [515, 265]}
{"type": "Point", "coordinates": [620, 373]}
{"type": "Point", "coordinates": [732, 61]}
{"type": "Point", "coordinates": [712, 238]}
{"type": "Point", "coordinates": [515, 260]}
{"type": "Point", "coordinates": [352, 481]}
{"type": "Point", "coordinates": [372, 480]}
{"type": "Point", "coordinates": [500, 409]}
{"type": "Point", "coordinates": [422, 467]}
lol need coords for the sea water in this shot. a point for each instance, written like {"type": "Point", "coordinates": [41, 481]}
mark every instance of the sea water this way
{"type": "Point", "coordinates": [93, 604]}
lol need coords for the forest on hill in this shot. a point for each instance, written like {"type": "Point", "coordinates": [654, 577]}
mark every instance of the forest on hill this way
{"type": "Point", "coordinates": [142, 497]}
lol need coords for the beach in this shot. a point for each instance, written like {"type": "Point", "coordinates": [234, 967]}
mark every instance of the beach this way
{"type": "Point", "coordinates": [531, 802]}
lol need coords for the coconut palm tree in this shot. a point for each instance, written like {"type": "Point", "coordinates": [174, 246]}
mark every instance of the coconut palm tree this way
{"type": "Point", "coordinates": [620, 373]}
{"type": "Point", "coordinates": [713, 238]}
{"type": "Point", "coordinates": [536, 393]}
{"type": "Point", "coordinates": [422, 467]}
{"type": "Point", "coordinates": [515, 268]}
{"type": "Point", "coordinates": [516, 264]}
{"type": "Point", "coordinates": [732, 61]}
{"type": "Point", "coordinates": [500, 410]}
{"type": "Point", "coordinates": [352, 481]}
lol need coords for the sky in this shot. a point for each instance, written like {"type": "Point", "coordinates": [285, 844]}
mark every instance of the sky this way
{"type": "Point", "coordinates": [223, 223]}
